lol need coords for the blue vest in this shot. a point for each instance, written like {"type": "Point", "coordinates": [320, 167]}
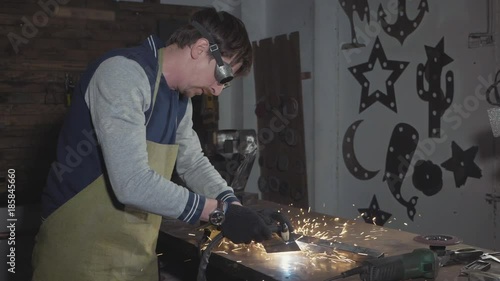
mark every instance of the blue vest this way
{"type": "Point", "coordinates": [79, 159]}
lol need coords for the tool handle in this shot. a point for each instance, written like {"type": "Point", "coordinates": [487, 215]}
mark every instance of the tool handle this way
{"type": "Point", "coordinates": [390, 268]}
{"type": "Point", "coordinates": [421, 263]}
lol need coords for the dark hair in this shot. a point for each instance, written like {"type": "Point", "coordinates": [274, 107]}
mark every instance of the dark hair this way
{"type": "Point", "coordinates": [228, 32]}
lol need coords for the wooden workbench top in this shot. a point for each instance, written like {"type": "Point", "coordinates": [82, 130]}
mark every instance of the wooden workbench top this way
{"type": "Point", "coordinates": [251, 262]}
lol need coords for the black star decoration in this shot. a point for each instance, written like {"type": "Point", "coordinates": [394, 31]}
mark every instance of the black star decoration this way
{"type": "Point", "coordinates": [437, 56]}
{"type": "Point", "coordinates": [462, 164]}
{"type": "Point", "coordinates": [373, 214]}
{"type": "Point", "coordinates": [397, 67]}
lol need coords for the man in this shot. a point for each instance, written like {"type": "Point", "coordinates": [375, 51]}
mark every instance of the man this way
{"type": "Point", "coordinates": [129, 121]}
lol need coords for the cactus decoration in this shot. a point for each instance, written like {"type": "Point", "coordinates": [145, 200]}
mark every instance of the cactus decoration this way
{"type": "Point", "coordinates": [358, 71]}
{"type": "Point", "coordinates": [403, 26]}
{"type": "Point", "coordinates": [362, 9]}
{"type": "Point", "coordinates": [438, 100]}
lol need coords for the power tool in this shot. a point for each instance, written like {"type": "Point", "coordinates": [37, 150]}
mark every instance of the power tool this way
{"type": "Point", "coordinates": [421, 263]}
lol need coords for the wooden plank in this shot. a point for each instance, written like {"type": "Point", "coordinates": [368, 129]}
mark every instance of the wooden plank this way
{"type": "Point", "coordinates": [158, 9]}
{"type": "Point", "coordinates": [28, 76]}
{"type": "Point", "coordinates": [30, 131]}
{"type": "Point", "coordinates": [20, 1]}
{"type": "Point", "coordinates": [84, 13]}
{"type": "Point", "coordinates": [42, 64]}
{"type": "Point", "coordinates": [277, 81]}
{"type": "Point", "coordinates": [82, 44]}
{"type": "Point", "coordinates": [18, 142]}
{"type": "Point", "coordinates": [33, 119]}
{"type": "Point", "coordinates": [21, 9]}
{"type": "Point", "coordinates": [290, 63]}
{"type": "Point", "coordinates": [148, 26]}
{"type": "Point", "coordinates": [56, 54]}
{"type": "Point", "coordinates": [32, 98]}
{"type": "Point", "coordinates": [19, 87]}
{"type": "Point", "coordinates": [9, 19]}
{"type": "Point", "coordinates": [32, 109]}
{"type": "Point", "coordinates": [95, 35]}
{"type": "Point", "coordinates": [18, 153]}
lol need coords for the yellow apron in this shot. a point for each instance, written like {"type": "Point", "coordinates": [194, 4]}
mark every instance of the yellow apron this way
{"type": "Point", "coordinates": [93, 237]}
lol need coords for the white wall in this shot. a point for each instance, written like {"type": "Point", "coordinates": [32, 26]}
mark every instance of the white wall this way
{"type": "Point", "coordinates": [458, 211]}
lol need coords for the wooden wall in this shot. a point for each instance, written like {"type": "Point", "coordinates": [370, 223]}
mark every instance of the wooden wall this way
{"type": "Point", "coordinates": [33, 71]}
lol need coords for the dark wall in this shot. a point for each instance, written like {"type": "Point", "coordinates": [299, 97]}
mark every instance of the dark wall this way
{"type": "Point", "coordinates": [42, 48]}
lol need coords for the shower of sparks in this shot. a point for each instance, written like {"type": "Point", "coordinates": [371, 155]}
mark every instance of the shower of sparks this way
{"type": "Point", "coordinates": [326, 228]}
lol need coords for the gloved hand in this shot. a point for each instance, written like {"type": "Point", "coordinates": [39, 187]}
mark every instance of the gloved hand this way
{"type": "Point", "coordinates": [272, 216]}
{"type": "Point", "coordinates": [242, 225]}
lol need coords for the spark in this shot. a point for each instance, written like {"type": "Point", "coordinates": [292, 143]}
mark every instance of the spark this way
{"type": "Point", "coordinates": [221, 252]}
{"type": "Point", "coordinates": [191, 234]}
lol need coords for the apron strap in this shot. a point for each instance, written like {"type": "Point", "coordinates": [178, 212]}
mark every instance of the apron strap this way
{"type": "Point", "coordinates": [157, 83]}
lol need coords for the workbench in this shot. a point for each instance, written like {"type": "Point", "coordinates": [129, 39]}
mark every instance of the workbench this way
{"type": "Point", "coordinates": [179, 240]}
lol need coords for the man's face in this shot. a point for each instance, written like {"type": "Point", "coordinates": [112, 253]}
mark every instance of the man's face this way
{"type": "Point", "coordinates": [202, 77]}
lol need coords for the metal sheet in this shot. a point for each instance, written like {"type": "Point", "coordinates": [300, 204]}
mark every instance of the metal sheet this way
{"type": "Point", "coordinates": [251, 262]}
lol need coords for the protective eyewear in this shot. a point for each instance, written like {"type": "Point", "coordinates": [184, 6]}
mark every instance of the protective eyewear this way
{"type": "Point", "coordinates": [223, 71]}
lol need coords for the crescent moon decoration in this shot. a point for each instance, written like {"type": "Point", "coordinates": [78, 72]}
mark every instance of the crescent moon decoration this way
{"type": "Point", "coordinates": [350, 159]}
{"type": "Point", "coordinates": [402, 146]}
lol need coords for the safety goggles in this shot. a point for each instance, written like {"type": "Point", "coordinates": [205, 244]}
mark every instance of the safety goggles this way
{"type": "Point", "coordinates": [223, 71]}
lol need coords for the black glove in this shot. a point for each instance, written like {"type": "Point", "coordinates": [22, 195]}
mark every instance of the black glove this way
{"type": "Point", "coordinates": [271, 217]}
{"type": "Point", "coordinates": [242, 225]}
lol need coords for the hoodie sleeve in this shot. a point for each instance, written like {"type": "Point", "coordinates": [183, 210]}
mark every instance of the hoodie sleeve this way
{"type": "Point", "coordinates": [118, 95]}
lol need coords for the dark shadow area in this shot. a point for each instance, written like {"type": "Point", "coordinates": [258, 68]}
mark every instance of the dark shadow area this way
{"type": "Point", "coordinates": [489, 148]}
